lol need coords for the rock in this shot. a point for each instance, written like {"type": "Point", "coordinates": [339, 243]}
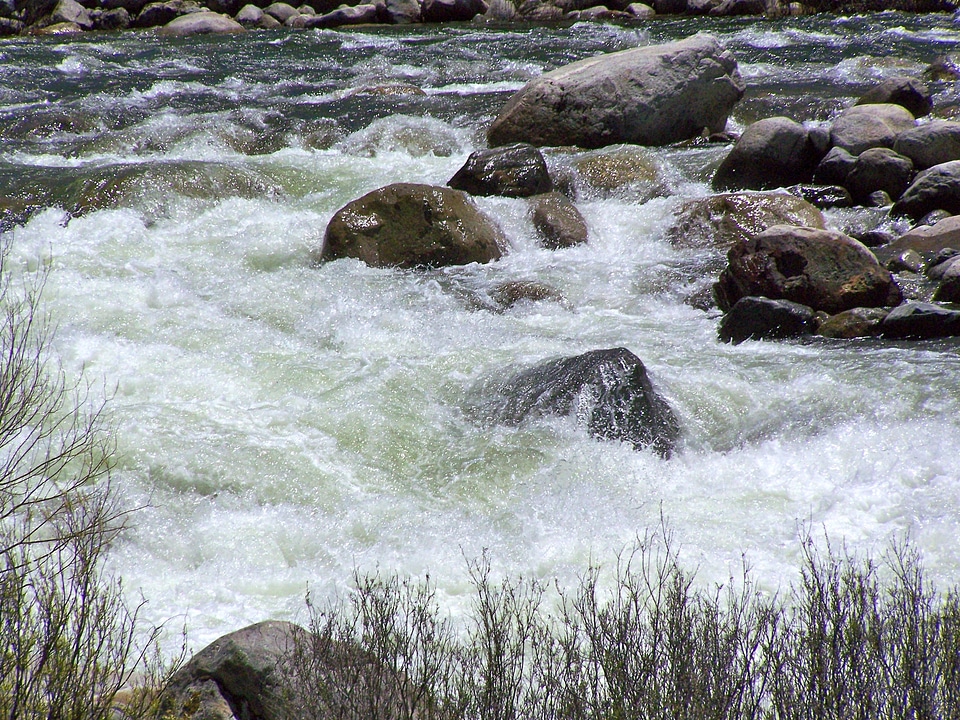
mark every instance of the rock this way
{"type": "Point", "coordinates": [356, 15]}
{"type": "Point", "coordinates": [822, 196]}
{"type": "Point", "coordinates": [879, 169]}
{"type": "Point", "coordinates": [760, 318]}
{"type": "Point", "coordinates": [35, 10]}
{"type": "Point", "coordinates": [670, 7]}
{"type": "Point", "coordinates": [508, 294]}
{"type": "Point", "coordinates": [641, 11]}
{"type": "Point", "coordinates": [452, 10]}
{"type": "Point", "coordinates": [834, 167]}
{"type": "Point", "coordinates": [720, 221]}
{"type": "Point", "coordinates": [557, 221]}
{"type": "Point", "coordinates": [608, 391]}
{"type": "Point", "coordinates": [938, 267]}
{"type": "Point", "coordinates": [949, 289]}
{"type": "Point", "coordinates": [249, 16]}
{"type": "Point", "coordinates": [942, 68]}
{"type": "Point", "coordinates": [240, 675]}
{"type": "Point", "coordinates": [70, 11]}
{"type": "Point", "coordinates": [628, 172]}
{"type": "Point", "coordinates": [854, 323]}
{"type": "Point", "coordinates": [929, 239]}
{"type": "Point", "coordinates": [907, 261]}
{"type": "Point", "coordinates": [297, 22]}
{"type": "Point", "coordinates": [823, 269]}
{"type": "Point", "coordinates": [517, 170]}
{"type": "Point", "coordinates": [11, 26]}
{"type": "Point", "coordinates": [936, 188]}
{"type": "Point", "coordinates": [281, 12]}
{"type": "Point", "coordinates": [538, 11]}
{"type": "Point", "coordinates": [407, 225]}
{"type": "Point", "coordinates": [729, 8]}
{"type": "Point", "coordinates": [919, 320]}
{"type": "Point", "coordinates": [930, 144]}
{"type": "Point", "coordinates": [202, 23]}
{"type": "Point", "coordinates": [404, 12]}
{"type": "Point", "coordinates": [862, 127]}
{"type": "Point", "coordinates": [157, 14]}
{"type": "Point", "coordinates": [58, 29]}
{"type": "Point", "coordinates": [118, 19]}
{"type": "Point", "coordinates": [878, 199]}
{"type": "Point", "coordinates": [771, 153]}
{"type": "Point", "coordinates": [652, 95]}
{"type": "Point", "coordinates": [908, 92]}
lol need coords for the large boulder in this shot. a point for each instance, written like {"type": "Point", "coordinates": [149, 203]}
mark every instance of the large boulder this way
{"type": "Point", "coordinates": [928, 239]}
{"type": "Point", "coordinates": [919, 320]}
{"type": "Point", "coordinates": [930, 144]}
{"type": "Point", "coordinates": [911, 93]}
{"type": "Point", "coordinates": [608, 391]}
{"type": "Point", "coordinates": [858, 322]}
{"type": "Point", "coordinates": [239, 675]}
{"type": "Point", "coordinates": [936, 188]}
{"type": "Point", "coordinates": [834, 167]}
{"type": "Point", "coordinates": [451, 10]}
{"type": "Point", "coordinates": [771, 153]}
{"type": "Point", "coordinates": [517, 170]}
{"type": "Point", "coordinates": [70, 11]}
{"type": "Point", "coordinates": [760, 318]}
{"type": "Point", "coordinates": [823, 269]}
{"type": "Point", "coordinates": [862, 127]}
{"type": "Point", "coordinates": [408, 225]}
{"type": "Point", "coordinates": [720, 221]}
{"type": "Point", "coordinates": [202, 23]}
{"type": "Point", "coordinates": [651, 95]}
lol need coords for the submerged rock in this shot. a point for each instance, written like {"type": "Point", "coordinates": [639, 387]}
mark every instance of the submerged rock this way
{"type": "Point", "coordinates": [607, 391]}
{"type": "Point", "coordinates": [407, 225]}
{"type": "Point", "coordinates": [821, 268]}
{"type": "Point", "coordinates": [651, 95]}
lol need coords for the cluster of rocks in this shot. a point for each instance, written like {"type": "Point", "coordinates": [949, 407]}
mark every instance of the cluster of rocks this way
{"type": "Point", "coordinates": [790, 280]}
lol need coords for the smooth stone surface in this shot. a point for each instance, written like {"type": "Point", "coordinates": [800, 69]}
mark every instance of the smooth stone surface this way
{"type": "Point", "coordinates": [762, 318]}
{"type": "Point", "coordinates": [771, 153]}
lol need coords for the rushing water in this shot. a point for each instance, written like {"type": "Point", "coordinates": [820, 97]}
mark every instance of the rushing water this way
{"type": "Point", "coordinates": [283, 423]}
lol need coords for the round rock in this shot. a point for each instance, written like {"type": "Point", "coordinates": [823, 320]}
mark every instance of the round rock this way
{"type": "Point", "coordinates": [862, 127]}
{"type": "Point", "coordinates": [930, 144]}
{"type": "Point", "coordinates": [517, 170]}
{"type": "Point", "coordinates": [774, 152]}
{"type": "Point", "coordinates": [936, 188]}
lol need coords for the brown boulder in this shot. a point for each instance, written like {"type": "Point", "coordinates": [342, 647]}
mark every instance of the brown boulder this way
{"type": "Point", "coordinates": [928, 238]}
{"type": "Point", "coordinates": [862, 127]}
{"type": "Point", "coordinates": [823, 269]}
{"type": "Point", "coordinates": [407, 225]}
{"type": "Point", "coordinates": [557, 221]}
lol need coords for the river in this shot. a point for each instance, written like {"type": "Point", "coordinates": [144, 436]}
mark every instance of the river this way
{"type": "Point", "coordinates": [280, 423]}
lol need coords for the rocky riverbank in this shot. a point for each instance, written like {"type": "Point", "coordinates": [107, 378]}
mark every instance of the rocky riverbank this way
{"type": "Point", "coordinates": [56, 17]}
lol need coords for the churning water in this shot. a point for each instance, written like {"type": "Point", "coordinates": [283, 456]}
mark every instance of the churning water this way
{"type": "Point", "coordinates": [283, 423]}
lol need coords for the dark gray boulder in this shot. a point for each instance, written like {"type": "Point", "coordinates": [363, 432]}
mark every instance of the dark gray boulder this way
{"type": "Point", "coordinates": [408, 225]}
{"type": "Point", "coordinates": [823, 269]}
{"type": "Point", "coordinates": [949, 289]}
{"type": "Point", "coordinates": [402, 12]}
{"type": "Point", "coordinates": [862, 127]}
{"type": "Point", "coordinates": [771, 153]}
{"type": "Point", "coordinates": [762, 318]}
{"type": "Point", "coordinates": [932, 143]}
{"type": "Point", "coordinates": [879, 169]}
{"type": "Point", "coordinates": [557, 221]}
{"type": "Point", "coordinates": [451, 10]}
{"type": "Point", "coordinates": [652, 95]}
{"type": "Point", "coordinates": [607, 391]}
{"type": "Point", "coordinates": [517, 170]}
{"type": "Point", "coordinates": [919, 320]}
{"type": "Point", "coordinates": [911, 93]}
{"type": "Point", "coordinates": [834, 167]}
{"type": "Point", "coordinates": [936, 188]}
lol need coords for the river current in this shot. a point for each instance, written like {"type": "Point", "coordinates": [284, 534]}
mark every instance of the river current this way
{"type": "Point", "coordinates": [280, 423]}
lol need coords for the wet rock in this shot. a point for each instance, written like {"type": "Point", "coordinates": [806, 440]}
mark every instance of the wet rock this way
{"type": "Point", "coordinates": [879, 169]}
{"type": "Point", "coordinates": [64, 28]}
{"type": "Point", "coordinates": [670, 7]}
{"type": "Point", "coordinates": [501, 11]}
{"type": "Point", "coordinates": [937, 188]}
{"type": "Point", "coordinates": [771, 153]}
{"type": "Point", "coordinates": [834, 167]}
{"type": "Point", "coordinates": [11, 26]}
{"type": "Point", "coordinates": [942, 68]}
{"type": "Point", "coordinates": [823, 269]}
{"type": "Point", "coordinates": [854, 323]}
{"type": "Point", "coordinates": [240, 675]}
{"type": "Point", "coordinates": [941, 263]}
{"type": "Point", "coordinates": [910, 93]}
{"type": "Point", "coordinates": [118, 19]}
{"type": "Point", "coordinates": [949, 288]}
{"type": "Point", "coordinates": [919, 320]}
{"type": "Point", "coordinates": [907, 261]}
{"type": "Point", "coordinates": [627, 172]}
{"type": "Point", "coordinates": [761, 318]}
{"type": "Point", "coordinates": [403, 12]}
{"type": "Point", "coordinates": [651, 95]}
{"type": "Point", "coordinates": [157, 14]}
{"type": "Point", "coordinates": [537, 11]}
{"type": "Point", "coordinates": [249, 16]}
{"type": "Point", "coordinates": [70, 11]}
{"type": "Point", "coordinates": [557, 221]}
{"type": "Point", "coordinates": [508, 294]}
{"type": "Point", "coordinates": [930, 144]}
{"type": "Point", "coordinates": [730, 8]}
{"type": "Point", "coordinates": [356, 15]}
{"type": "Point", "coordinates": [281, 12]}
{"type": "Point", "coordinates": [517, 170]}
{"type": "Point", "coordinates": [862, 127]}
{"type": "Point", "coordinates": [202, 23]}
{"type": "Point", "coordinates": [407, 226]}
{"type": "Point", "coordinates": [607, 391]}
{"type": "Point", "coordinates": [822, 197]}
{"type": "Point", "coordinates": [452, 10]}
{"type": "Point", "coordinates": [640, 11]}
{"type": "Point", "coordinates": [720, 221]}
